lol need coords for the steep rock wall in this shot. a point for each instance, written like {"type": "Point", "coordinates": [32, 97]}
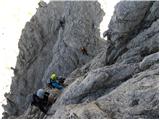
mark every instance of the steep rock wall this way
{"type": "Point", "coordinates": [120, 79]}
{"type": "Point", "coordinates": [51, 41]}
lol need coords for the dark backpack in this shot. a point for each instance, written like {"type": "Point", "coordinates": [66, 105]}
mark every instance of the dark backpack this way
{"type": "Point", "coordinates": [41, 103]}
{"type": "Point", "coordinates": [35, 100]}
{"type": "Point", "coordinates": [38, 101]}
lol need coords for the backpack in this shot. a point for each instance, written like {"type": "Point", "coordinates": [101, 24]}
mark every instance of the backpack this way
{"type": "Point", "coordinates": [38, 101]}
{"type": "Point", "coordinates": [42, 104]}
{"type": "Point", "coordinates": [35, 100]}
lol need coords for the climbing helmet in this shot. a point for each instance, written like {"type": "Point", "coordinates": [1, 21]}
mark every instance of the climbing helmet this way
{"type": "Point", "coordinates": [40, 93]}
{"type": "Point", "coordinates": [53, 76]}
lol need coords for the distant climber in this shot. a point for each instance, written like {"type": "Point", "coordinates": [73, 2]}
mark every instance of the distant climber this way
{"type": "Point", "coordinates": [14, 70]}
{"type": "Point", "coordinates": [61, 23]}
{"type": "Point", "coordinates": [83, 50]}
{"type": "Point", "coordinates": [56, 82]}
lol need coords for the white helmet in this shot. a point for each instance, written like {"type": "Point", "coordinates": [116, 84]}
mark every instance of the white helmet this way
{"type": "Point", "coordinates": [40, 93]}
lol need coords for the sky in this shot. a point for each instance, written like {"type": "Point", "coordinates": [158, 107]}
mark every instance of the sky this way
{"type": "Point", "coordinates": [13, 16]}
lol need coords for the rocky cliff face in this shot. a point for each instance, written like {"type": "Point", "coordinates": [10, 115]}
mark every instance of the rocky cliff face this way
{"type": "Point", "coordinates": [117, 79]}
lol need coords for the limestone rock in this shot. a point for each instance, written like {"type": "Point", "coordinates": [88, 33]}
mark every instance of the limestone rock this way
{"type": "Point", "coordinates": [127, 17]}
{"type": "Point", "coordinates": [117, 78]}
{"type": "Point", "coordinates": [51, 41]}
{"type": "Point", "coordinates": [149, 61]}
{"type": "Point", "coordinates": [136, 98]}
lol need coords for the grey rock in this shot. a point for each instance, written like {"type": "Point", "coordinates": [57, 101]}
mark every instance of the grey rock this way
{"type": "Point", "coordinates": [149, 61]}
{"type": "Point", "coordinates": [80, 111]}
{"type": "Point", "coordinates": [153, 14]}
{"type": "Point", "coordinates": [149, 37]}
{"type": "Point", "coordinates": [127, 16]}
{"type": "Point", "coordinates": [136, 98]}
{"type": "Point", "coordinates": [102, 78]}
{"type": "Point", "coordinates": [143, 44]}
{"type": "Point", "coordinates": [118, 78]}
{"type": "Point", "coordinates": [46, 46]}
{"type": "Point", "coordinates": [42, 4]}
{"type": "Point", "coordinates": [78, 32]}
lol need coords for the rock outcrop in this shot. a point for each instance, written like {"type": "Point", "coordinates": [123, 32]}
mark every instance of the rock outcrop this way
{"type": "Point", "coordinates": [117, 79]}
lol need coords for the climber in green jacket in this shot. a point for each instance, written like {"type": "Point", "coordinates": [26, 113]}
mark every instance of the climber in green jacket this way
{"type": "Point", "coordinates": [56, 82]}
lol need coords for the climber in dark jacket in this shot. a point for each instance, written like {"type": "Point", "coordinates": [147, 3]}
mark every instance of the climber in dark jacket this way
{"type": "Point", "coordinates": [84, 50]}
{"type": "Point", "coordinates": [56, 82]}
{"type": "Point", "coordinates": [40, 99]}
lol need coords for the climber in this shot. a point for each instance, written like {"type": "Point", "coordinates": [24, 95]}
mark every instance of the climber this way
{"type": "Point", "coordinates": [62, 22]}
{"type": "Point", "coordinates": [83, 50]}
{"type": "Point", "coordinates": [55, 82]}
{"type": "Point", "coordinates": [40, 99]}
{"type": "Point", "coordinates": [43, 100]}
